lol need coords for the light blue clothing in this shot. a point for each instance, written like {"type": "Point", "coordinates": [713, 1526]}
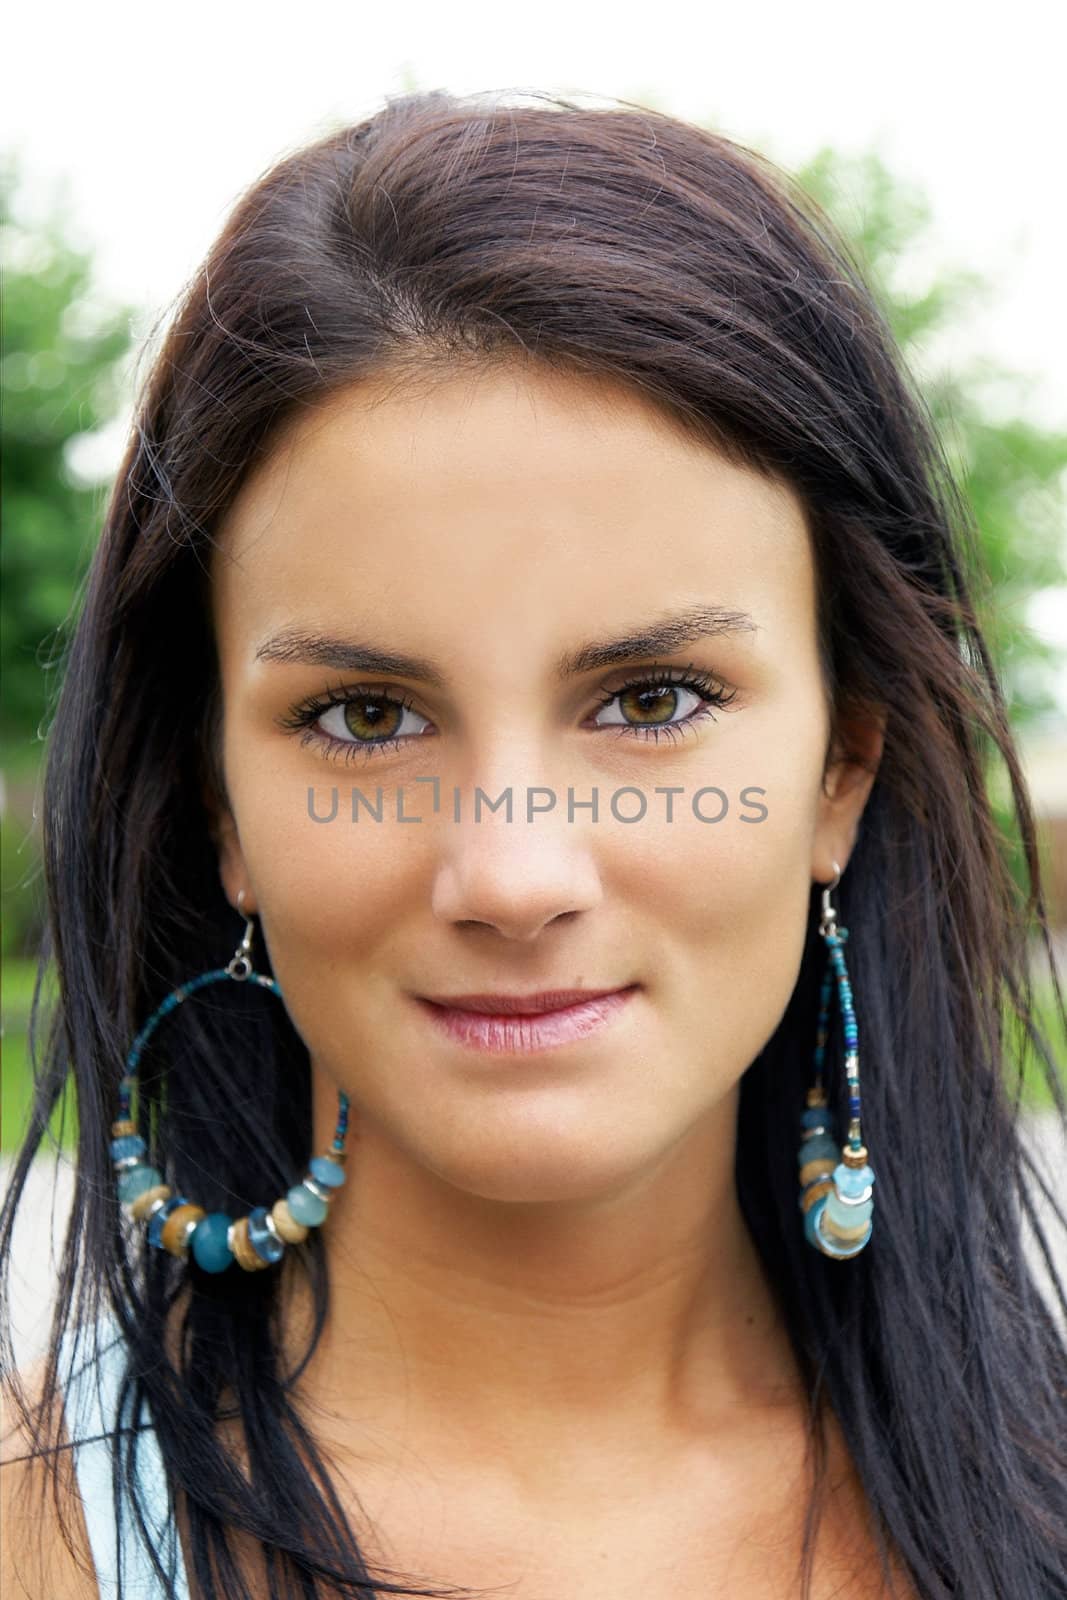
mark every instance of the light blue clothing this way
{"type": "Point", "coordinates": [90, 1404]}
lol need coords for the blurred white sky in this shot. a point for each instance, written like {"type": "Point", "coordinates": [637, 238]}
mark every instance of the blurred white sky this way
{"type": "Point", "coordinates": [157, 117]}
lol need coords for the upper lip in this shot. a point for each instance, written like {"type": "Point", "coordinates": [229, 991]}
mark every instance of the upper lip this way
{"type": "Point", "coordinates": [519, 1004]}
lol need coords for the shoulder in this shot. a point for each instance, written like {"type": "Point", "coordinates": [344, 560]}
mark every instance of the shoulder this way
{"type": "Point", "coordinates": [45, 1549]}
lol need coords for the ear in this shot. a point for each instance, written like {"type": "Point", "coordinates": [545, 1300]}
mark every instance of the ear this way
{"type": "Point", "coordinates": [851, 767]}
{"type": "Point", "coordinates": [233, 870]}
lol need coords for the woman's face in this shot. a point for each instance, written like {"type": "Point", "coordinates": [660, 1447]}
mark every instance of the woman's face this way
{"type": "Point", "coordinates": [507, 531]}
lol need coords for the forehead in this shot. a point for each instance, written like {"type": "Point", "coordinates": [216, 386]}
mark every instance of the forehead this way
{"type": "Point", "coordinates": [551, 488]}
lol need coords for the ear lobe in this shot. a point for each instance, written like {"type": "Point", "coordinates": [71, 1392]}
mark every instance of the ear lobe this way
{"type": "Point", "coordinates": [233, 872]}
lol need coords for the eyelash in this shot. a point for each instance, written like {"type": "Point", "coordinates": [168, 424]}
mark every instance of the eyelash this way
{"type": "Point", "coordinates": [302, 717]}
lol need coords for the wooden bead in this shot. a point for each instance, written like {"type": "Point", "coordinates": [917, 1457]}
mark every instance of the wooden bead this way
{"type": "Point", "coordinates": [291, 1231]}
{"type": "Point", "coordinates": [846, 1235]}
{"type": "Point", "coordinates": [821, 1166]}
{"type": "Point", "coordinates": [816, 1097]}
{"type": "Point", "coordinates": [816, 1192]}
{"type": "Point", "coordinates": [174, 1229]}
{"type": "Point", "coordinates": [854, 1158]}
{"type": "Point", "coordinates": [140, 1207]}
{"type": "Point", "coordinates": [120, 1129]}
{"type": "Point", "coordinates": [243, 1252]}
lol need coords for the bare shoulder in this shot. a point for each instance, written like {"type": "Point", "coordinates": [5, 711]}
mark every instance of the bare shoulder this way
{"type": "Point", "coordinates": [45, 1548]}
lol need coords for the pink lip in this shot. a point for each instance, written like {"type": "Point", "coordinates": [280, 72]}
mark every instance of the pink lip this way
{"type": "Point", "coordinates": [502, 1005]}
{"type": "Point", "coordinates": [525, 1023]}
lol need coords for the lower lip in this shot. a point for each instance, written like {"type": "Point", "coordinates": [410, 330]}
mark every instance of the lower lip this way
{"type": "Point", "coordinates": [523, 1035]}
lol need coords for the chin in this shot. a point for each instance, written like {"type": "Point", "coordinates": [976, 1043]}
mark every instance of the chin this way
{"type": "Point", "coordinates": [563, 1175]}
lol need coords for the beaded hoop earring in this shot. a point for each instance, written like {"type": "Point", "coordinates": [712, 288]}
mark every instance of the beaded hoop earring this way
{"type": "Point", "coordinates": [836, 1183]}
{"type": "Point", "coordinates": [214, 1239]}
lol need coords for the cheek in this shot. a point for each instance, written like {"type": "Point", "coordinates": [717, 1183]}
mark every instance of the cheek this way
{"type": "Point", "coordinates": [724, 905]}
{"type": "Point", "coordinates": [332, 894]}
{"type": "Point", "coordinates": [720, 924]}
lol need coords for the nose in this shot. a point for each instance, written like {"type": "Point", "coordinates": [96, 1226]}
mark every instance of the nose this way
{"type": "Point", "coordinates": [515, 876]}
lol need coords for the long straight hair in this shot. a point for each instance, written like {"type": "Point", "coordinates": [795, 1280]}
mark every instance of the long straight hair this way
{"type": "Point", "coordinates": [614, 242]}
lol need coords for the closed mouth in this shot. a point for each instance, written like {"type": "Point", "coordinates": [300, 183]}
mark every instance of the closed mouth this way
{"type": "Point", "coordinates": [522, 1005]}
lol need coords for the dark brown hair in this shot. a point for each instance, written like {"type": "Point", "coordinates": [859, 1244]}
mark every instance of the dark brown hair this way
{"type": "Point", "coordinates": [623, 243]}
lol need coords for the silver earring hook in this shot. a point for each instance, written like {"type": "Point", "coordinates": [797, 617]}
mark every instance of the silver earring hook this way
{"type": "Point", "coordinates": [240, 963]}
{"type": "Point", "coordinates": [828, 920]}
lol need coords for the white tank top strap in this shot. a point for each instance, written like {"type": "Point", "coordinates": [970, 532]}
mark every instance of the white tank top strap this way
{"type": "Point", "coordinates": [91, 1393]}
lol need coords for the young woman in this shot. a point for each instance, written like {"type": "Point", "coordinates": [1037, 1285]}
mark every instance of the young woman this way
{"type": "Point", "coordinates": [538, 970]}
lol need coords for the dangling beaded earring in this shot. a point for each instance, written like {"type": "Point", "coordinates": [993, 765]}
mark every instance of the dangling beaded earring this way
{"type": "Point", "coordinates": [836, 1194]}
{"type": "Point", "coordinates": [213, 1238]}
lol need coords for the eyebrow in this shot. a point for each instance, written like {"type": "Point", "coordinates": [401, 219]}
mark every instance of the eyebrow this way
{"type": "Point", "coordinates": [661, 636]}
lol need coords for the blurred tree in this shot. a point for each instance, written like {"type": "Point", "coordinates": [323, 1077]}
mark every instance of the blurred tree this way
{"type": "Point", "coordinates": [1013, 471]}
{"type": "Point", "coordinates": [60, 373]}
{"type": "Point", "coordinates": [62, 381]}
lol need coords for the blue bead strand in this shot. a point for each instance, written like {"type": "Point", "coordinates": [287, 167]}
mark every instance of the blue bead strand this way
{"type": "Point", "coordinates": [822, 1031]}
{"type": "Point", "coordinates": [836, 940]}
{"type": "Point", "coordinates": [839, 1201]}
{"type": "Point", "coordinates": [211, 1243]}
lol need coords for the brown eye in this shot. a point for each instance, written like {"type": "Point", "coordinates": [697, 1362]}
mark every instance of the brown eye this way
{"type": "Point", "coordinates": [369, 720]}
{"type": "Point", "coordinates": [650, 705]}
{"type": "Point", "coordinates": [372, 719]}
{"type": "Point", "coordinates": [659, 703]}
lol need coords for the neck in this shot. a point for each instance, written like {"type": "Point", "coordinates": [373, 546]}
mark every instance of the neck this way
{"type": "Point", "coordinates": [505, 1329]}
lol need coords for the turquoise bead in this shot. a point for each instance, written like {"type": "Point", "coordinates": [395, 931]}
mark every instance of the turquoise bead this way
{"type": "Point", "coordinates": [158, 1218]}
{"type": "Point", "coordinates": [209, 1245]}
{"type": "Point", "coordinates": [329, 1173]}
{"type": "Point", "coordinates": [135, 1180]}
{"type": "Point", "coordinates": [815, 1117]}
{"type": "Point", "coordinates": [810, 1217]}
{"type": "Point", "coordinates": [819, 1147]}
{"type": "Point", "coordinates": [847, 1216]}
{"type": "Point", "coordinates": [129, 1144]}
{"type": "Point", "coordinates": [839, 1247]}
{"type": "Point", "coordinates": [306, 1207]}
{"type": "Point", "coordinates": [852, 1180]}
{"type": "Point", "coordinates": [268, 1246]}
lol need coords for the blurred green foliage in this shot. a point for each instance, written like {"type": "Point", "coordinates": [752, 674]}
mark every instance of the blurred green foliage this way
{"type": "Point", "coordinates": [16, 1082]}
{"type": "Point", "coordinates": [60, 372]}
{"type": "Point", "coordinates": [62, 378]}
{"type": "Point", "coordinates": [1013, 471]}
